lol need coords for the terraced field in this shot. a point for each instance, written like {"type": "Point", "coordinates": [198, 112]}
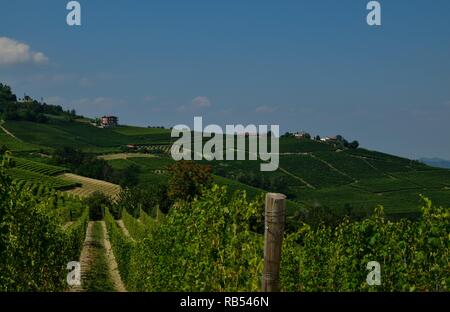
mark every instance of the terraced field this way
{"type": "Point", "coordinates": [163, 149]}
{"type": "Point", "coordinates": [41, 179]}
{"type": "Point", "coordinates": [37, 167]}
{"type": "Point", "coordinates": [90, 186]}
{"type": "Point", "coordinates": [125, 156]}
{"type": "Point", "coordinates": [314, 173]}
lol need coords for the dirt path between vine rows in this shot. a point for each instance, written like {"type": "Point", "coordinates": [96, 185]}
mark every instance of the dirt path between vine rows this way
{"type": "Point", "coordinates": [86, 257]}
{"type": "Point", "coordinates": [113, 268]}
{"type": "Point", "coordinates": [123, 228]}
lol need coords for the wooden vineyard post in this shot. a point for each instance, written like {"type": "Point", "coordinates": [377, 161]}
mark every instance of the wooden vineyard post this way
{"type": "Point", "coordinates": [274, 216]}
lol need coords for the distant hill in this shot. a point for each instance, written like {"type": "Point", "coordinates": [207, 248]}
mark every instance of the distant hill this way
{"type": "Point", "coordinates": [335, 175]}
{"type": "Point", "coordinates": [436, 162]}
{"type": "Point", "coordinates": [311, 173]}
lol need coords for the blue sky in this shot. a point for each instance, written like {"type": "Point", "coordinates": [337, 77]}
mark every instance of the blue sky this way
{"type": "Point", "coordinates": [305, 65]}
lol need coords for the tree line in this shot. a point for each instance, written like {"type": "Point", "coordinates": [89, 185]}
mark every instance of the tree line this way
{"type": "Point", "coordinates": [29, 109]}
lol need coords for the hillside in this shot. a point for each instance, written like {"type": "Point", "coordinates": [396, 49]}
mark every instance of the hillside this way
{"type": "Point", "coordinates": [312, 173]}
{"type": "Point", "coordinates": [57, 133]}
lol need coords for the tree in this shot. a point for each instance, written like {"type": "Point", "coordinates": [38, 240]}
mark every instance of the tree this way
{"type": "Point", "coordinates": [287, 135]}
{"type": "Point", "coordinates": [68, 155]}
{"type": "Point", "coordinates": [354, 145]}
{"type": "Point", "coordinates": [6, 94]}
{"type": "Point", "coordinates": [187, 180]}
{"type": "Point", "coordinates": [317, 138]}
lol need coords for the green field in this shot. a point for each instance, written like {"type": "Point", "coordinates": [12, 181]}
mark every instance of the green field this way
{"type": "Point", "coordinates": [16, 145]}
{"type": "Point", "coordinates": [133, 131]}
{"type": "Point", "coordinates": [40, 179]}
{"type": "Point", "coordinates": [313, 173]}
{"type": "Point", "coordinates": [58, 133]}
{"type": "Point", "coordinates": [37, 167]}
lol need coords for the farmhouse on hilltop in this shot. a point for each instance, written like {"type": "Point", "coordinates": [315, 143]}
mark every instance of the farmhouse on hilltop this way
{"type": "Point", "coordinates": [302, 135]}
{"type": "Point", "coordinates": [109, 121]}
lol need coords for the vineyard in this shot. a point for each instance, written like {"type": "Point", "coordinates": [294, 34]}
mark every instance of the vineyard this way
{"type": "Point", "coordinates": [30, 177]}
{"type": "Point", "coordinates": [87, 186]}
{"type": "Point", "coordinates": [14, 144]}
{"type": "Point", "coordinates": [37, 167]}
{"type": "Point", "coordinates": [35, 247]}
{"type": "Point", "coordinates": [209, 245]}
{"type": "Point", "coordinates": [214, 243]}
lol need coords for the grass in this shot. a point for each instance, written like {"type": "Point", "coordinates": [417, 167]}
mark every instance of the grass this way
{"type": "Point", "coordinates": [58, 133]}
{"type": "Point", "coordinates": [130, 130]}
{"type": "Point", "coordinates": [438, 178]}
{"type": "Point", "coordinates": [152, 170]}
{"type": "Point", "coordinates": [313, 171]}
{"type": "Point", "coordinates": [355, 167]}
{"type": "Point", "coordinates": [386, 184]}
{"type": "Point", "coordinates": [399, 192]}
{"type": "Point", "coordinates": [351, 177]}
{"type": "Point", "coordinates": [137, 229]}
{"type": "Point", "coordinates": [16, 145]}
{"type": "Point", "coordinates": [98, 279]}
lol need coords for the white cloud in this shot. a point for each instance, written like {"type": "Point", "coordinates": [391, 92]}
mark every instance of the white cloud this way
{"type": "Point", "coordinates": [201, 102]}
{"type": "Point", "coordinates": [197, 103]}
{"type": "Point", "coordinates": [264, 109]}
{"type": "Point", "coordinates": [14, 52]}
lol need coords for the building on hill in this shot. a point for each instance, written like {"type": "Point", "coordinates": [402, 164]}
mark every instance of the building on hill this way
{"type": "Point", "coordinates": [302, 135]}
{"type": "Point", "coordinates": [329, 139]}
{"type": "Point", "coordinates": [109, 121]}
{"type": "Point", "coordinates": [26, 99]}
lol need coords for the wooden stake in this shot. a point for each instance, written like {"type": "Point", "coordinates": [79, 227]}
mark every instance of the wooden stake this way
{"type": "Point", "coordinates": [275, 212]}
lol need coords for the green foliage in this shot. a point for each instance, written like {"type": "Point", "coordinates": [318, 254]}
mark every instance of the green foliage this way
{"type": "Point", "coordinates": [137, 229]}
{"type": "Point", "coordinates": [210, 245]}
{"type": "Point", "coordinates": [37, 167]}
{"type": "Point", "coordinates": [12, 144]}
{"type": "Point", "coordinates": [40, 179]}
{"type": "Point", "coordinates": [97, 278]}
{"type": "Point", "coordinates": [313, 171]}
{"type": "Point", "coordinates": [34, 248]}
{"type": "Point", "coordinates": [97, 203]}
{"type": "Point", "coordinates": [76, 234]}
{"type": "Point", "coordinates": [124, 249]}
{"type": "Point", "coordinates": [89, 165]}
{"type": "Point", "coordinates": [205, 245]}
{"type": "Point", "coordinates": [413, 255]}
{"type": "Point", "coordinates": [133, 200]}
{"type": "Point", "coordinates": [29, 110]}
{"type": "Point", "coordinates": [59, 133]}
{"type": "Point", "coordinates": [6, 94]}
{"type": "Point", "coordinates": [187, 180]}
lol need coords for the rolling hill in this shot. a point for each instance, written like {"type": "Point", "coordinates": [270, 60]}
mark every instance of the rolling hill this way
{"type": "Point", "coordinates": [312, 173]}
